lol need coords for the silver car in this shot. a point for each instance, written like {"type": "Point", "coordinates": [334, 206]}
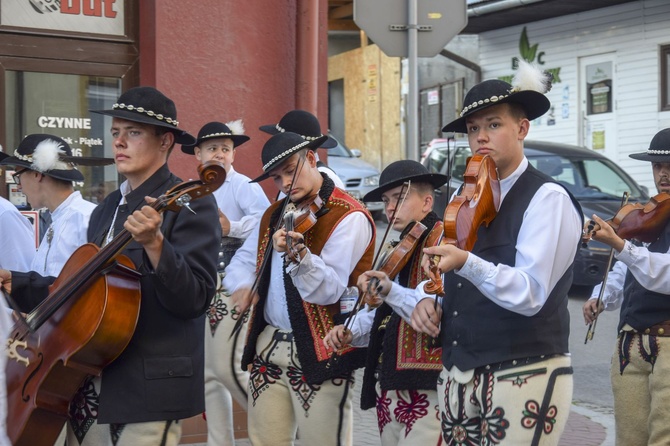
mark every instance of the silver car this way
{"type": "Point", "coordinates": [359, 177]}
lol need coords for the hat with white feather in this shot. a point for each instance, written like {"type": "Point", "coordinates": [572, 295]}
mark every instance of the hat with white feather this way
{"type": "Point", "coordinates": [233, 130]}
{"type": "Point", "coordinates": [50, 155]}
{"type": "Point", "coordinates": [527, 89]}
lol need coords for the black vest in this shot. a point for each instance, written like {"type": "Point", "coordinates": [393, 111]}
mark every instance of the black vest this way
{"type": "Point", "coordinates": [478, 332]}
{"type": "Point", "coordinates": [642, 308]}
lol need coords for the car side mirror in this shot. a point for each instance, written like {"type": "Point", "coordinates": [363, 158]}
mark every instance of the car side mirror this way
{"type": "Point", "coordinates": [355, 152]}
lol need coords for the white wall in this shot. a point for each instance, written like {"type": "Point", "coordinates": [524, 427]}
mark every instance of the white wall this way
{"type": "Point", "coordinates": [632, 31]}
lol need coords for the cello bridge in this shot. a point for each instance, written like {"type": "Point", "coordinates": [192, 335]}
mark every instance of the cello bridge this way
{"type": "Point", "coordinates": [12, 353]}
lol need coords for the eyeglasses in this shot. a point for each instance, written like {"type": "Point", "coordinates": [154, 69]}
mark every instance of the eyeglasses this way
{"type": "Point", "coordinates": [17, 176]}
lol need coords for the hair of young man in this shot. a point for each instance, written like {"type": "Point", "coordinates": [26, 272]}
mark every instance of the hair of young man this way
{"type": "Point", "coordinates": [424, 189]}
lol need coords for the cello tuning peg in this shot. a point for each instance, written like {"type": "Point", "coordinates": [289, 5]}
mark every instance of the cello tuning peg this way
{"type": "Point", "coordinates": [187, 206]}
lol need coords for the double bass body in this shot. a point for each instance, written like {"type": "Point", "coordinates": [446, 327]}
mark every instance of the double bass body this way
{"type": "Point", "coordinates": [45, 368]}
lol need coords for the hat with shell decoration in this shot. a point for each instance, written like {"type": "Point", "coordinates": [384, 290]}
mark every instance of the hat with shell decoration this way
{"type": "Point", "coordinates": [527, 89]}
{"type": "Point", "coordinates": [147, 105]}
{"type": "Point", "coordinates": [233, 130]}
{"type": "Point", "coordinates": [303, 123]}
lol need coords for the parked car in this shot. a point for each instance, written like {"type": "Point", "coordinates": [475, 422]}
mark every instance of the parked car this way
{"type": "Point", "coordinates": [359, 177]}
{"type": "Point", "coordinates": [596, 182]}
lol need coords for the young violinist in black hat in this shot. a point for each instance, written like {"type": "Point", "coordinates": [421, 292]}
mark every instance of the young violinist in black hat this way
{"type": "Point", "coordinates": [402, 365]}
{"type": "Point", "coordinates": [639, 284]}
{"type": "Point", "coordinates": [300, 279]}
{"type": "Point", "coordinates": [504, 320]}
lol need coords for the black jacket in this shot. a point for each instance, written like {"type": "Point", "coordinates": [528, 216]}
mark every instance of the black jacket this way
{"type": "Point", "coordinates": [159, 376]}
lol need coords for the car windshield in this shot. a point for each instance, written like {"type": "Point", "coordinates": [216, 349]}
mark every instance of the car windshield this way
{"type": "Point", "coordinates": [340, 150]}
{"type": "Point", "coordinates": [587, 178]}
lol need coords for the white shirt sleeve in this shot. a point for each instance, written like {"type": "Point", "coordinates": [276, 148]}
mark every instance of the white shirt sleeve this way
{"type": "Point", "coordinates": [253, 202]}
{"type": "Point", "coordinates": [361, 326]}
{"type": "Point", "coordinates": [241, 271]}
{"type": "Point", "coordinates": [650, 269]}
{"type": "Point", "coordinates": [403, 300]}
{"type": "Point", "coordinates": [17, 239]}
{"type": "Point", "coordinates": [613, 294]}
{"type": "Point", "coordinates": [546, 247]}
{"type": "Point", "coordinates": [322, 279]}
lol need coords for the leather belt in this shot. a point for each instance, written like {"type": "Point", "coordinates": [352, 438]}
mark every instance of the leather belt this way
{"type": "Point", "coordinates": [509, 364]}
{"type": "Point", "coordinates": [660, 329]}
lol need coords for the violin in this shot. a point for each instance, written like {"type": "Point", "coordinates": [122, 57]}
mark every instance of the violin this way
{"type": "Point", "coordinates": [476, 204]}
{"type": "Point", "coordinates": [86, 321]}
{"type": "Point", "coordinates": [394, 261]}
{"type": "Point", "coordinates": [301, 220]}
{"type": "Point", "coordinates": [642, 222]}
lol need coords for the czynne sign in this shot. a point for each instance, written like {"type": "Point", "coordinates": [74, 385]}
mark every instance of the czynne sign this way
{"type": "Point", "coordinates": [84, 16]}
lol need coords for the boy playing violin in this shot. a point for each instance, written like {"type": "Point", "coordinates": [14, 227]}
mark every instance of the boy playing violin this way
{"type": "Point", "coordinates": [402, 365]}
{"type": "Point", "coordinates": [299, 282]}
{"type": "Point", "coordinates": [639, 284]}
{"type": "Point", "coordinates": [506, 374]}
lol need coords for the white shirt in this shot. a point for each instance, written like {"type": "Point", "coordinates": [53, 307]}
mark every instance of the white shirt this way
{"type": "Point", "coordinates": [67, 232]}
{"type": "Point", "coordinates": [17, 250]}
{"type": "Point", "coordinates": [319, 279]}
{"type": "Point", "coordinates": [17, 238]}
{"type": "Point", "coordinates": [242, 202]}
{"type": "Point", "coordinates": [650, 269]}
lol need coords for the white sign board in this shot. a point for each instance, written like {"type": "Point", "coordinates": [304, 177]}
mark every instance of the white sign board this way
{"type": "Point", "coordinates": [83, 16]}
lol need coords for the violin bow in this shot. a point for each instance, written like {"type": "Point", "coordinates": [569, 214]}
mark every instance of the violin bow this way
{"type": "Point", "coordinates": [592, 326]}
{"type": "Point", "coordinates": [431, 260]}
{"type": "Point", "coordinates": [404, 190]}
{"type": "Point", "coordinates": [267, 254]}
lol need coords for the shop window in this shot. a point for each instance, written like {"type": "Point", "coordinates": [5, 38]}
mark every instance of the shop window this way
{"type": "Point", "coordinates": [59, 104]}
{"type": "Point", "coordinates": [665, 77]}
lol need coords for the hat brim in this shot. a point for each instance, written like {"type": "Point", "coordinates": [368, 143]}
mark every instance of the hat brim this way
{"type": "Point", "coordinates": [645, 156]}
{"type": "Point", "coordinates": [3, 156]}
{"type": "Point", "coordinates": [534, 103]}
{"type": "Point", "coordinates": [435, 179]}
{"type": "Point", "coordinates": [237, 141]}
{"type": "Point", "coordinates": [315, 144]}
{"type": "Point", "coordinates": [65, 175]}
{"type": "Point", "coordinates": [328, 143]}
{"type": "Point", "coordinates": [181, 136]}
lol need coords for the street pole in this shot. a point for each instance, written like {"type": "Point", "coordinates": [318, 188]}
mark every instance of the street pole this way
{"type": "Point", "coordinates": [413, 100]}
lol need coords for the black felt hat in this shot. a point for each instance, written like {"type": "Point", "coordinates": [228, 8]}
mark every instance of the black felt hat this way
{"type": "Point", "coordinates": [50, 155]}
{"type": "Point", "coordinates": [400, 172]}
{"type": "Point", "coordinates": [280, 147]}
{"type": "Point", "coordinates": [148, 106]}
{"type": "Point", "coordinates": [232, 130]}
{"type": "Point", "coordinates": [301, 122]}
{"type": "Point", "coordinates": [527, 89]}
{"type": "Point", "coordinates": [659, 149]}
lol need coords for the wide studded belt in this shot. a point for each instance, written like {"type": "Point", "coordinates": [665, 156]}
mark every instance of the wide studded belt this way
{"type": "Point", "coordinates": [660, 329]}
{"type": "Point", "coordinates": [504, 365]}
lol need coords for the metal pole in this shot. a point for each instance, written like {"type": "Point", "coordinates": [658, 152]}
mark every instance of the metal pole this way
{"type": "Point", "coordinates": [413, 75]}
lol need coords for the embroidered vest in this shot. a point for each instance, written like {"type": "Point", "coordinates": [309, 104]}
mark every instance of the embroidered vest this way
{"type": "Point", "coordinates": [478, 332]}
{"type": "Point", "coordinates": [409, 360]}
{"type": "Point", "coordinates": [642, 308]}
{"type": "Point", "coordinates": [310, 322]}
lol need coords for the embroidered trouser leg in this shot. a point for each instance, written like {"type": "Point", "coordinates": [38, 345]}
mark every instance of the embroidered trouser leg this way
{"type": "Point", "coordinates": [408, 417]}
{"type": "Point", "coordinates": [223, 370]}
{"type": "Point", "coordinates": [641, 385]}
{"type": "Point", "coordinates": [527, 405]}
{"type": "Point", "coordinates": [281, 401]}
{"type": "Point", "coordinates": [83, 428]}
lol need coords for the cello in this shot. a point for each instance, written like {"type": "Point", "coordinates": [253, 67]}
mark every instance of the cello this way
{"type": "Point", "coordinates": [85, 323]}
